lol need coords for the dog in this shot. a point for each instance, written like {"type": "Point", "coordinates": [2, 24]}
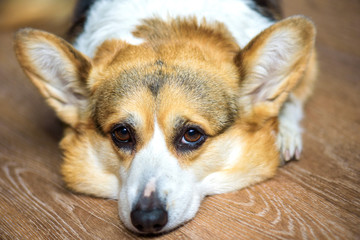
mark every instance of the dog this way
{"type": "Point", "coordinates": [166, 102]}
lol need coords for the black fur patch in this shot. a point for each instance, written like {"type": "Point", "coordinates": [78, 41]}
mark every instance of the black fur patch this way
{"type": "Point", "coordinates": [268, 8]}
{"type": "Point", "coordinates": [155, 84]}
{"type": "Point", "coordinates": [79, 18]}
{"type": "Point", "coordinates": [155, 87]}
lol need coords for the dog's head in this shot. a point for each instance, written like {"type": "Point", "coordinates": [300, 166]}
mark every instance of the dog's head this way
{"type": "Point", "coordinates": [162, 124]}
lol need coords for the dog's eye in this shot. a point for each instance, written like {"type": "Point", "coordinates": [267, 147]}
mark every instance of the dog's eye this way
{"type": "Point", "coordinates": [191, 136]}
{"type": "Point", "coordinates": [190, 139]}
{"type": "Point", "coordinates": [122, 137]}
{"type": "Point", "coordinates": [122, 134]}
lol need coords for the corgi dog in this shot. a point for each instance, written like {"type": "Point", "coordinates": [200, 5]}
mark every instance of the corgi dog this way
{"type": "Point", "coordinates": [166, 102]}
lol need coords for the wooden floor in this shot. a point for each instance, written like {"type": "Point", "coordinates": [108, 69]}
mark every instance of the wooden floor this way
{"type": "Point", "coordinates": [315, 198]}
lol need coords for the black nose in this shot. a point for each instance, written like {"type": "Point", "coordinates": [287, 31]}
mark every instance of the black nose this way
{"type": "Point", "coordinates": [149, 215]}
{"type": "Point", "coordinates": [149, 221]}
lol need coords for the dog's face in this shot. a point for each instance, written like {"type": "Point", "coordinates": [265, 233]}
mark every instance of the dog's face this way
{"type": "Point", "coordinates": [163, 124]}
{"type": "Point", "coordinates": [160, 118]}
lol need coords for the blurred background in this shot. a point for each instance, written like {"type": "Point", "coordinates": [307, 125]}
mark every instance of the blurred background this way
{"type": "Point", "coordinates": [51, 15]}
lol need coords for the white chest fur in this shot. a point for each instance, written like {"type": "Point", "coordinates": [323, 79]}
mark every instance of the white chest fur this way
{"type": "Point", "coordinates": [116, 19]}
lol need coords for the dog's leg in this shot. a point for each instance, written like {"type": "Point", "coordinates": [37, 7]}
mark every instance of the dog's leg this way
{"type": "Point", "coordinates": [289, 137]}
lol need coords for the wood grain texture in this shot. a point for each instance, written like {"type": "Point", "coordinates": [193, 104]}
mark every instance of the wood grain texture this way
{"type": "Point", "coordinates": [317, 197]}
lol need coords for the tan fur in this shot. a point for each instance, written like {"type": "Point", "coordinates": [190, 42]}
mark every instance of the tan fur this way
{"type": "Point", "coordinates": [215, 39]}
{"type": "Point", "coordinates": [258, 152]}
{"type": "Point", "coordinates": [296, 75]}
{"type": "Point", "coordinates": [89, 167]}
{"type": "Point", "coordinates": [305, 86]}
{"type": "Point", "coordinates": [207, 54]}
{"type": "Point", "coordinates": [76, 68]}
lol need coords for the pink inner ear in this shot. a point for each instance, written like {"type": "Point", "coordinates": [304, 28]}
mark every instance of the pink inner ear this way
{"type": "Point", "coordinates": [273, 65]}
{"type": "Point", "coordinates": [57, 70]}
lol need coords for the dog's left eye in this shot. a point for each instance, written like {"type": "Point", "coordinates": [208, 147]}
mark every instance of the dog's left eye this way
{"type": "Point", "coordinates": [190, 139]}
{"type": "Point", "coordinates": [191, 136]}
{"type": "Point", "coordinates": [122, 137]}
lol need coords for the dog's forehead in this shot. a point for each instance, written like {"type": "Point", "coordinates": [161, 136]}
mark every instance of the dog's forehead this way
{"type": "Point", "coordinates": [168, 92]}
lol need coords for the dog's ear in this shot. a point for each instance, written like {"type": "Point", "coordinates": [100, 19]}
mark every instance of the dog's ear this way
{"type": "Point", "coordinates": [271, 65]}
{"type": "Point", "coordinates": [57, 70]}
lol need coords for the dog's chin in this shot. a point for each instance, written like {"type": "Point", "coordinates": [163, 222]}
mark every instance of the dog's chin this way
{"type": "Point", "coordinates": [180, 209]}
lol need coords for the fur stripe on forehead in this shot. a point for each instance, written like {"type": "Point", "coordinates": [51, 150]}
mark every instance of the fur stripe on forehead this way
{"type": "Point", "coordinates": [164, 87]}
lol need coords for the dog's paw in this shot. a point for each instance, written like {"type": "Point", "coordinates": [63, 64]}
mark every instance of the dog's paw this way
{"type": "Point", "coordinates": [289, 142]}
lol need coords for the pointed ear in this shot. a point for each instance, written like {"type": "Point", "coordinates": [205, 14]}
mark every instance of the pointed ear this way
{"type": "Point", "coordinates": [271, 66]}
{"type": "Point", "coordinates": [57, 70]}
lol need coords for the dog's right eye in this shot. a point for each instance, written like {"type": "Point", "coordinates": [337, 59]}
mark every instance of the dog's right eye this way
{"type": "Point", "coordinates": [122, 134]}
{"type": "Point", "coordinates": [122, 137]}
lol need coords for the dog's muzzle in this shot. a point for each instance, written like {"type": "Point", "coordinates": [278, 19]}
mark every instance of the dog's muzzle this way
{"type": "Point", "coordinates": [149, 214]}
